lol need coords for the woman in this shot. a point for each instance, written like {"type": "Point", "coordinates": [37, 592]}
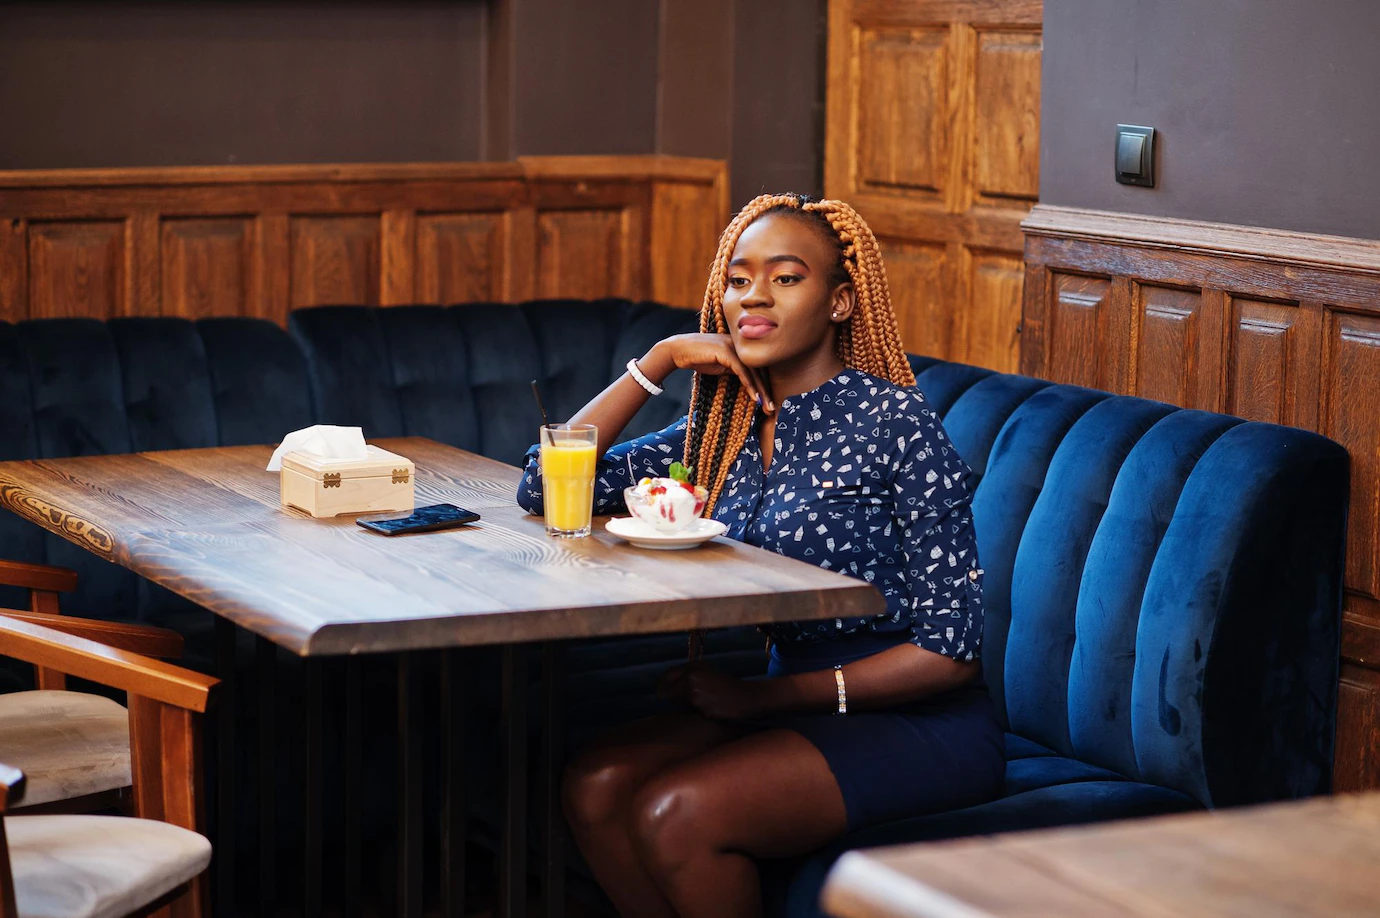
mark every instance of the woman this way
{"type": "Point", "coordinates": [807, 430]}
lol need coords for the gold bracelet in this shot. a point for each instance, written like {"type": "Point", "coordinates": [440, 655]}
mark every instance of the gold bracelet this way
{"type": "Point", "coordinates": [843, 690]}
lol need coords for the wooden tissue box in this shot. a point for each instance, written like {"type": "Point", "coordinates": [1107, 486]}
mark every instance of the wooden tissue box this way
{"type": "Point", "coordinates": [325, 487]}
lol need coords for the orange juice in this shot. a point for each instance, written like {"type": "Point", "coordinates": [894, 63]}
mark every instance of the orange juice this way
{"type": "Point", "coordinates": [567, 472]}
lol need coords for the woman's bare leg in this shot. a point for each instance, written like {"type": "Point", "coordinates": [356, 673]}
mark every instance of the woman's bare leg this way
{"type": "Point", "coordinates": [698, 824]}
{"type": "Point", "coordinates": [598, 790]}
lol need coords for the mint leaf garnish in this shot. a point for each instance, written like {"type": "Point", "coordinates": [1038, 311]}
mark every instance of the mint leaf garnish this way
{"type": "Point", "coordinates": [680, 472]}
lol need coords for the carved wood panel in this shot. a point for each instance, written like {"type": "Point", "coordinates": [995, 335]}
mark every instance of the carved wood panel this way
{"type": "Point", "coordinates": [259, 241]}
{"type": "Point", "coordinates": [460, 257]}
{"type": "Point", "coordinates": [932, 133]}
{"type": "Point", "coordinates": [1007, 123]}
{"type": "Point", "coordinates": [903, 118]}
{"type": "Point", "coordinates": [917, 276]}
{"type": "Point", "coordinates": [1351, 379]}
{"type": "Point", "coordinates": [207, 267]}
{"type": "Point", "coordinates": [580, 253]}
{"type": "Point", "coordinates": [1273, 326]}
{"type": "Point", "coordinates": [335, 260]}
{"type": "Point", "coordinates": [1077, 311]}
{"type": "Point", "coordinates": [77, 268]}
{"type": "Point", "coordinates": [988, 334]}
{"type": "Point", "coordinates": [1358, 729]}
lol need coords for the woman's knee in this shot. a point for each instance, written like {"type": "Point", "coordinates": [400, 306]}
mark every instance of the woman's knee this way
{"type": "Point", "coordinates": [672, 822]}
{"type": "Point", "coordinates": [597, 789]}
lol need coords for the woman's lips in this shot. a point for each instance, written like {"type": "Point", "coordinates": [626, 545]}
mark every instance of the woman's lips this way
{"type": "Point", "coordinates": [753, 327]}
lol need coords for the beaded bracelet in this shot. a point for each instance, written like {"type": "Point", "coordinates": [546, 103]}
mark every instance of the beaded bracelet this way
{"type": "Point", "coordinates": [843, 690]}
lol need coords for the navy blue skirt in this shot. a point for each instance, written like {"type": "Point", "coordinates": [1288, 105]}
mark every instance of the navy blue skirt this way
{"type": "Point", "coordinates": [944, 753]}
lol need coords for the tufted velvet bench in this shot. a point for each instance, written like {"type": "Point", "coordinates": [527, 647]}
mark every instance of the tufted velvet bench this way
{"type": "Point", "coordinates": [1163, 585]}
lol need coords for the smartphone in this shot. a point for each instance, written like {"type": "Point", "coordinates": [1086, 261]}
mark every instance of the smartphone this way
{"type": "Point", "coordinates": [423, 519]}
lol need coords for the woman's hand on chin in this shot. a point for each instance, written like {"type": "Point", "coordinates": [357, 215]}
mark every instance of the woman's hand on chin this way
{"type": "Point", "coordinates": [712, 355]}
{"type": "Point", "coordinates": [717, 695]}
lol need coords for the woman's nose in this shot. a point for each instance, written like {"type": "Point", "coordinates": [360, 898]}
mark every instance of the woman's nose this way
{"type": "Point", "coordinates": [758, 294]}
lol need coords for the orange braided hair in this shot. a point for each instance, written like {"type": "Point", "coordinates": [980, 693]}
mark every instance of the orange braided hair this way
{"type": "Point", "coordinates": [721, 411]}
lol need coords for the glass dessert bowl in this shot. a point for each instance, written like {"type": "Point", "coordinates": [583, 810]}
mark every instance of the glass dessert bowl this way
{"type": "Point", "coordinates": [665, 504]}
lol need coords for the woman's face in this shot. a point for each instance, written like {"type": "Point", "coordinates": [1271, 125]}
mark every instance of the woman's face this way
{"type": "Point", "coordinates": [777, 298]}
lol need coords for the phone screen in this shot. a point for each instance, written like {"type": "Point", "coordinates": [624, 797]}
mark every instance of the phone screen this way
{"type": "Point", "coordinates": [423, 519]}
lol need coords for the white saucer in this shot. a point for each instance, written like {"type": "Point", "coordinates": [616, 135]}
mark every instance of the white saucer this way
{"type": "Point", "coordinates": [644, 536]}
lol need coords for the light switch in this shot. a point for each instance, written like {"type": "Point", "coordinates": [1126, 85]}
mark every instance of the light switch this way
{"type": "Point", "coordinates": [1135, 155]}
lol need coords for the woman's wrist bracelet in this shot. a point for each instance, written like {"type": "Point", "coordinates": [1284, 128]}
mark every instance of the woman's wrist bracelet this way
{"type": "Point", "coordinates": [636, 373]}
{"type": "Point", "coordinates": [843, 689]}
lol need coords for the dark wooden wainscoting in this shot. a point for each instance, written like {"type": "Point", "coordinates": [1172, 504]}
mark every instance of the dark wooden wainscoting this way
{"type": "Point", "coordinates": [1265, 324]}
{"type": "Point", "coordinates": [262, 240]}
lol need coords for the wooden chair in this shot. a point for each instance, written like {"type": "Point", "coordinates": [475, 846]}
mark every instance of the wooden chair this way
{"type": "Point", "coordinates": [73, 747]}
{"type": "Point", "coordinates": [91, 866]}
{"type": "Point", "coordinates": [164, 705]}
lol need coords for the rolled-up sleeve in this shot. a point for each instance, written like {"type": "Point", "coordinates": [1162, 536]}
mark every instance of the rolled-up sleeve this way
{"type": "Point", "coordinates": [648, 456]}
{"type": "Point", "coordinates": [933, 499]}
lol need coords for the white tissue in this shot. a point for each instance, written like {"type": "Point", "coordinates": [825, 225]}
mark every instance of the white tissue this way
{"type": "Point", "coordinates": [326, 441]}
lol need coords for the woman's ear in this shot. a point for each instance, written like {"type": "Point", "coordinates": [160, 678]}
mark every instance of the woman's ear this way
{"type": "Point", "coordinates": [841, 303]}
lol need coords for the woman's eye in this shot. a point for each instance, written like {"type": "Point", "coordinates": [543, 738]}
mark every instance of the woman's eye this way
{"type": "Point", "coordinates": [788, 279]}
{"type": "Point", "coordinates": [738, 282]}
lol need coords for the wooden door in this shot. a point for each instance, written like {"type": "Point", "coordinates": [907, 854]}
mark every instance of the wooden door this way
{"type": "Point", "coordinates": [933, 135]}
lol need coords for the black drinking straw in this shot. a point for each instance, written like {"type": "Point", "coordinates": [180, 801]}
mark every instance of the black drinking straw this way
{"type": "Point", "coordinates": [540, 407]}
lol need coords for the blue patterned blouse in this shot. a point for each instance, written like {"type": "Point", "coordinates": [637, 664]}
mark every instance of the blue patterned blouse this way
{"type": "Point", "coordinates": [864, 481]}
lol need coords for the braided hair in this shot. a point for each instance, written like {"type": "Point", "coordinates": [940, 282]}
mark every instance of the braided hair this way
{"type": "Point", "coordinates": [721, 411]}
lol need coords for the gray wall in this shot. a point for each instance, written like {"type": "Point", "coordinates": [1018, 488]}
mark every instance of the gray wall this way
{"type": "Point", "coordinates": [290, 81]}
{"type": "Point", "coordinates": [1269, 109]}
{"type": "Point", "coordinates": [150, 84]}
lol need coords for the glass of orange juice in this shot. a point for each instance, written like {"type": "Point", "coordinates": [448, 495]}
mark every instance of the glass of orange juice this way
{"type": "Point", "coordinates": [567, 472]}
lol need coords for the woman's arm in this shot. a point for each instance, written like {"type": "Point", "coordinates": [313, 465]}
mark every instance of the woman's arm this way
{"type": "Point", "coordinates": [612, 409]}
{"type": "Point", "coordinates": [902, 674]}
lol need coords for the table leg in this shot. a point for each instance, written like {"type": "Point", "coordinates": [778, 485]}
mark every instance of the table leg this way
{"type": "Point", "coordinates": [226, 769]}
{"type": "Point", "coordinates": [266, 660]}
{"type": "Point", "coordinates": [409, 789]}
{"type": "Point", "coordinates": [352, 905]}
{"type": "Point", "coordinates": [314, 767]}
{"type": "Point", "coordinates": [553, 748]}
{"type": "Point", "coordinates": [453, 785]}
{"type": "Point", "coordinates": [512, 859]}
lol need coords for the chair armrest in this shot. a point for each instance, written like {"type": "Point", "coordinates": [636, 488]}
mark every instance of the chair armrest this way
{"type": "Point", "coordinates": [121, 669]}
{"type": "Point", "coordinates": [11, 787]}
{"type": "Point", "coordinates": [38, 576]}
{"type": "Point", "coordinates": [144, 639]}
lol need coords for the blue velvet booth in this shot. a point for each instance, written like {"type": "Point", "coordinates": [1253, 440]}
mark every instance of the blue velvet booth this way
{"type": "Point", "coordinates": [1163, 585]}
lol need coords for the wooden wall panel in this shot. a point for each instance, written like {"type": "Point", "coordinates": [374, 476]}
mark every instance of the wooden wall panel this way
{"type": "Point", "coordinates": [932, 134]}
{"type": "Point", "coordinates": [1358, 729]}
{"type": "Point", "coordinates": [1263, 334]}
{"type": "Point", "coordinates": [460, 257]}
{"type": "Point", "coordinates": [580, 253]}
{"type": "Point", "coordinates": [1273, 326]}
{"type": "Point", "coordinates": [1352, 397]}
{"type": "Point", "coordinates": [335, 260]}
{"type": "Point", "coordinates": [262, 240]}
{"type": "Point", "coordinates": [1077, 311]}
{"type": "Point", "coordinates": [1008, 116]}
{"type": "Point", "coordinates": [987, 334]}
{"type": "Point", "coordinates": [77, 268]}
{"type": "Point", "coordinates": [1166, 354]}
{"type": "Point", "coordinates": [903, 123]}
{"type": "Point", "coordinates": [917, 277]}
{"type": "Point", "coordinates": [206, 267]}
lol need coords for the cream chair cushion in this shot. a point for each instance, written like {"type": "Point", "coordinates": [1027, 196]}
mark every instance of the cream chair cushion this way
{"type": "Point", "coordinates": [98, 866]}
{"type": "Point", "coordinates": [68, 744]}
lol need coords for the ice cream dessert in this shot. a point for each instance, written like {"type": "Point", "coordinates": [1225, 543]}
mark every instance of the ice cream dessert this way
{"type": "Point", "coordinates": [666, 504]}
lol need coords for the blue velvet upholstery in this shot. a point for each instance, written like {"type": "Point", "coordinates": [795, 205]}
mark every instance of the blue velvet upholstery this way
{"type": "Point", "coordinates": [1163, 586]}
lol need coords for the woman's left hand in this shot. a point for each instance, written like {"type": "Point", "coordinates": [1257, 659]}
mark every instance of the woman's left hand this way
{"type": "Point", "coordinates": [715, 694]}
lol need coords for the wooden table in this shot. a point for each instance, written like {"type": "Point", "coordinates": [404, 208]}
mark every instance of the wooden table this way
{"type": "Point", "coordinates": [207, 524]}
{"type": "Point", "coordinates": [1314, 857]}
